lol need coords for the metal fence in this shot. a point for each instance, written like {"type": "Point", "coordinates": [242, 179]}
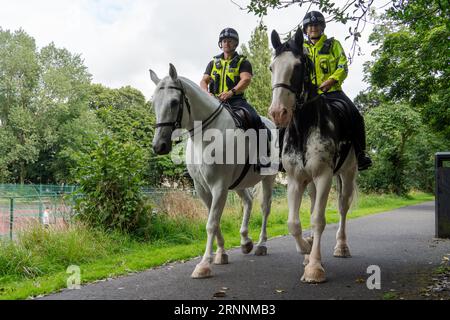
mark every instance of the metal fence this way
{"type": "Point", "coordinates": [23, 205]}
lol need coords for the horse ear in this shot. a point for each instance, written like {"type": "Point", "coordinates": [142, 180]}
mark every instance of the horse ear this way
{"type": "Point", "coordinates": [173, 72]}
{"type": "Point", "coordinates": [276, 41]}
{"type": "Point", "coordinates": [154, 77]}
{"type": "Point", "coordinates": [299, 39]}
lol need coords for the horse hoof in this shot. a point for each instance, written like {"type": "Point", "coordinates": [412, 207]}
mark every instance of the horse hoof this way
{"type": "Point", "coordinates": [221, 259]}
{"type": "Point", "coordinates": [202, 271]}
{"type": "Point", "coordinates": [261, 251]}
{"type": "Point", "coordinates": [342, 252]}
{"type": "Point", "coordinates": [247, 248]}
{"type": "Point", "coordinates": [314, 274]}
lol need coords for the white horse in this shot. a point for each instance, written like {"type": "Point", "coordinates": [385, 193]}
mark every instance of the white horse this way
{"type": "Point", "coordinates": [316, 147]}
{"type": "Point", "coordinates": [179, 103]}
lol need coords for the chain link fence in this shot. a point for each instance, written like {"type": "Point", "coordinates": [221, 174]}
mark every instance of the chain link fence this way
{"type": "Point", "coordinates": [23, 205]}
{"type": "Point", "coordinates": [52, 205]}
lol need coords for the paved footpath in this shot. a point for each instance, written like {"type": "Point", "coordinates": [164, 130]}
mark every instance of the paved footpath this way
{"type": "Point", "coordinates": [400, 242]}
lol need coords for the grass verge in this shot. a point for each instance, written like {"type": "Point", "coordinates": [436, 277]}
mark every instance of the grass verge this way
{"type": "Point", "coordinates": [36, 263]}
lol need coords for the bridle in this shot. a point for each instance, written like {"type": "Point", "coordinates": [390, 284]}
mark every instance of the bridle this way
{"type": "Point", "coordinates": [185, 101]}
{"type": "Point", "coordinates": [298, 89]}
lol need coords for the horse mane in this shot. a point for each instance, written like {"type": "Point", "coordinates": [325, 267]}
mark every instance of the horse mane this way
{"type": "Point", "coordinates": [199, 90]}
{"type": "Point", "coordinates": [312, 111]}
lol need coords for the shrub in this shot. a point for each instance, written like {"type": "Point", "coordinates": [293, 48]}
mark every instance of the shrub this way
{"type": "Point", "coordinates": [110, 177]}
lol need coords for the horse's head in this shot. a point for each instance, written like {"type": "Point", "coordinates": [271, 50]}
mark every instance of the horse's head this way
{"type": "Point", "coordinates": [289, 73]}
{"type": "Point", "coordinates": [168, 103]}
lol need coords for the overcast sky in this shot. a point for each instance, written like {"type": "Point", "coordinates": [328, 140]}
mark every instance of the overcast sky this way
{"type": "Point", "coordinates": [120, 40]}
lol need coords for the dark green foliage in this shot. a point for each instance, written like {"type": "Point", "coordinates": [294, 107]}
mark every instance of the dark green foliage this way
{"type": "Point", "coordinates": [259, 94]}
{"type": "Point", "coordinates": [110, 177]}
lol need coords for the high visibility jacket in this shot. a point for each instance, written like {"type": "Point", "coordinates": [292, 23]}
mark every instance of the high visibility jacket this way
{"type": "Point", "coordinates": [330, 62]}
{"type": "Point", "coordinates": [225, 74]}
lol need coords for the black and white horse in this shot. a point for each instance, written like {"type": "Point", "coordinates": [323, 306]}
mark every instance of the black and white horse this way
{"type": "Point", "coordinates": [316, 148]}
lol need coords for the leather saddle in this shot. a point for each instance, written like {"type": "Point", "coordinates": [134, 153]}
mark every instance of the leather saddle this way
{"type": "Point", "coordinates": [243, 120]}
{"type": "Point", "coordinates": [241, 117]}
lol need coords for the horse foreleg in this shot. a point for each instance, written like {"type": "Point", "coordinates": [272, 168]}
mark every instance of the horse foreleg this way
{"type": "Point", "coordinates": [266, 204]}
{"type": "Point", "coordinates": [219, 197]}
{"type": "Point", "coordinates": [247, 201]}
{"type": "Point", "coordinates": [312, 196]}
{"type": "Point", "coordinates": [314, 271]}
{"type": "Point", "coordinates": [346, 188]}
{"type": "Point", "coordinates": [295, 193]}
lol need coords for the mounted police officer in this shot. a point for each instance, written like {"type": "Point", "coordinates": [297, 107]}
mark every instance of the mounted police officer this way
{"type": "Point", "coordinates": [331, 69]}
{"type": "Point", "coordinates": [229, 74]}
{"type": "Point", "coordinates": [227, 77]}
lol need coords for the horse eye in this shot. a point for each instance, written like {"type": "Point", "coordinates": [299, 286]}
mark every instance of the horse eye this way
{"type": "Point", "coordinates": [174, 103]}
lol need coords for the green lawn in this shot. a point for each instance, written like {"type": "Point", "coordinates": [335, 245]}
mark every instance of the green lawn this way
{"type": "Point", "coordinates": [36, 264]}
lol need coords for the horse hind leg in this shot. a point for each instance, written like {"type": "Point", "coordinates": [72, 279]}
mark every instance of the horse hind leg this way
{"type": "Point", "coordinates": [266, 204]}
{"type": "Point", "coordinates": [247, 201]}
{"type": "Point", "coordinates": [346, 189]}
{"type": "Point", "coordinates": [221, 257]}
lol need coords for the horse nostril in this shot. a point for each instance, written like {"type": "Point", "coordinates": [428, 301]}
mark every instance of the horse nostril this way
{"type": "Point", "coordinates": [160, 148]}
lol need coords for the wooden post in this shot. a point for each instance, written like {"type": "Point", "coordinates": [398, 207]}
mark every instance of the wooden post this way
{"type": "Point", "coordinates": [443, 195]}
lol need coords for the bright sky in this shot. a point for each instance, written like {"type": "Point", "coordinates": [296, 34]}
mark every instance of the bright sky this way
{"type": "Point", "coordinates": [120, 40]}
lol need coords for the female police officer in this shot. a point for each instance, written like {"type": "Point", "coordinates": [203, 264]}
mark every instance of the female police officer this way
{"type": "Point", "coordinates": [331, 69]}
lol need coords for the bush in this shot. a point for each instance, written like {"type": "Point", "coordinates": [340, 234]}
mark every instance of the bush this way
{"type": "Point", "coordinates": [110, 177]}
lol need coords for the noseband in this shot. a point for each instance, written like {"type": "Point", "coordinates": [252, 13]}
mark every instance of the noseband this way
{"type": "Point", "coordinates": [183, 101]}
{"type": "Point", "coordinates": [297, 82]}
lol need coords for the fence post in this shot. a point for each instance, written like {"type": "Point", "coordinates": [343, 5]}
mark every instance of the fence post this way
{"type": "Point", "coordinates": [41, 212]}
{"type": "Point", "coordinates": [11, 217]}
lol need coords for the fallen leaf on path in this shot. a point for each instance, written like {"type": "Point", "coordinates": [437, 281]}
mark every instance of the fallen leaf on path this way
{"type": "Point", "coordinates": [280, 291]}
{"type": "Point", "coordinates": [220, 294]}
{"type": "Point", "coordinates": [360, 280]}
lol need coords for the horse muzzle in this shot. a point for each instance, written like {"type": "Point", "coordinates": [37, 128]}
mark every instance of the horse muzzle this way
{"type": "Point", "coordinates": [162, 149]}
{"type": "Point", "coordinates": [280, 115]}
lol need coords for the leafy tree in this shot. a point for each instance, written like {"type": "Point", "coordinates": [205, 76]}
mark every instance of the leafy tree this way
{"type": "Point", "coordinates": [61, 101]}
{"type": "Point", "coordinates": [125, 112]}
{"type": "Point", "coordinates": [391, 128]}
{"type": "Point", "coordinates": [19, 75]}
{"type": "Point", "coordinates": [258, 52]}
{"type": "Point", "coordinates": [411, 61]}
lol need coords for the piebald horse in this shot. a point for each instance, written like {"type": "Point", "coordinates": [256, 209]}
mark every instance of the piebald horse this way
{"type": "Point", "coordinates": [179, 103]}
{"type": "Point", "coordinates": [316, 148]}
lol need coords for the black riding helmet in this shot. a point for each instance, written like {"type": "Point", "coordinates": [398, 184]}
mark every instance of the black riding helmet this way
{"type": "Point", "coordinates": [314, 17]}
{"type": "Point", "coordinates": [228, 33]}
